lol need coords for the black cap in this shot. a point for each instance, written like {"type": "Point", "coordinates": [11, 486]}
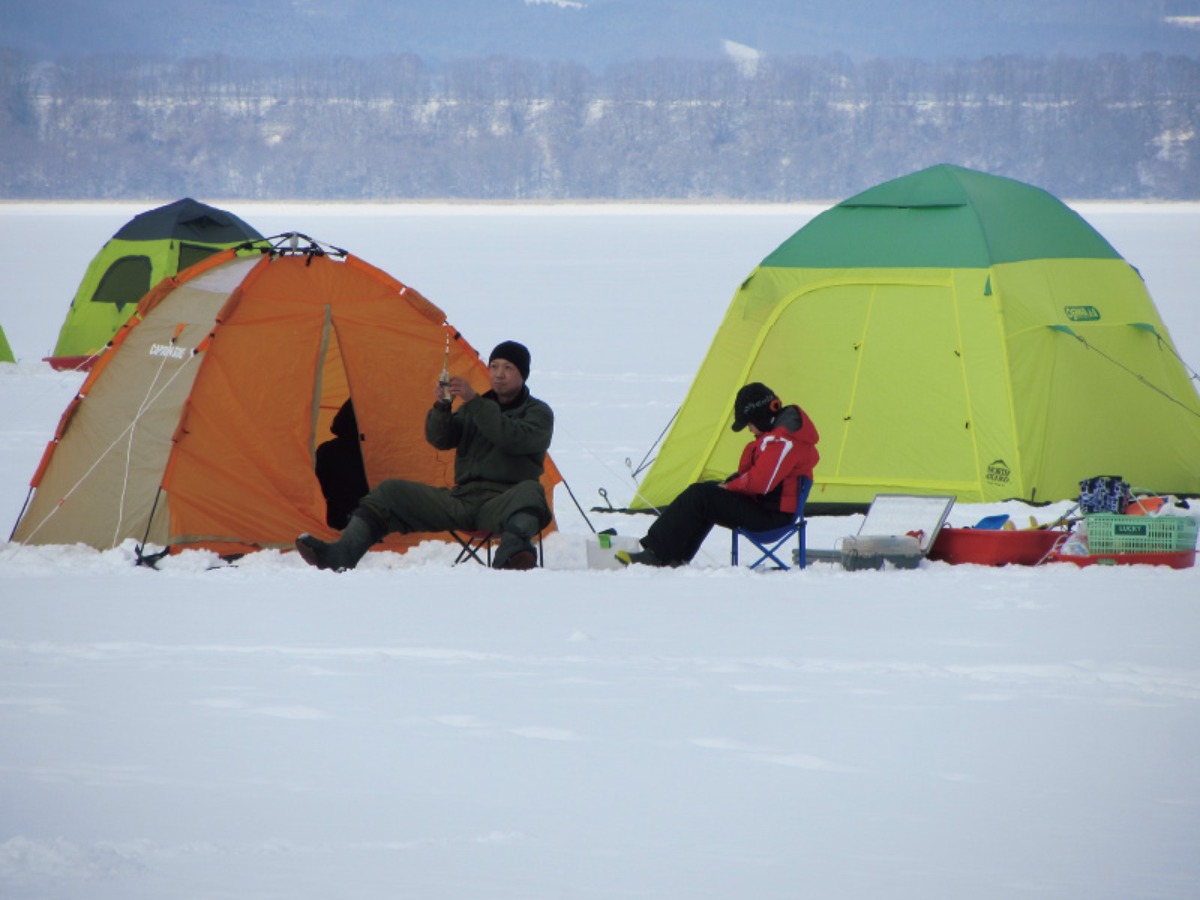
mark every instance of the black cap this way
{"type": "Point", "coordinates": [517, 354]}
{"type": "Point", "coordinates": [753, 406]}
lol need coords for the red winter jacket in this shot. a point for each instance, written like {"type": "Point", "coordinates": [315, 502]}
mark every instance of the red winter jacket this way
{"type": "Point", "coordinates": [773, 464]}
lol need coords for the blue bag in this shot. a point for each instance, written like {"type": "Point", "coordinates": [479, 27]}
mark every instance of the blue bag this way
{"type": "Point", "coordinates": [1104, 494]}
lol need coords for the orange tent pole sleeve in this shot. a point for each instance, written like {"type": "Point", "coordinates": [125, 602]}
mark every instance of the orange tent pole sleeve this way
{"type": "Point", "coordinates": [415, 298]}
{"type": "Point", "coordinates": [63, 421]}
{"type": "Point", "coordinates": [41, 469]}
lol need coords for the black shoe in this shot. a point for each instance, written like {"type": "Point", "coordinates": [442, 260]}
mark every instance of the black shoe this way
{"type": "Point", "coordinates": [640, 558]}
{"type": "Point", "coordinates": [521, 561]}
{"type": "Point", "coordinates": [515, 550]}
{"type": "Point", "coordinates": [313, 551]}
{"type": "Point", "coordinates": [317, 553]}
{"type": "Point", "coordinates": [352, 544]}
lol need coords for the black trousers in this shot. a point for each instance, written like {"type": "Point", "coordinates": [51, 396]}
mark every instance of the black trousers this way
{"type": "Point", "coordinates": [676, 535]}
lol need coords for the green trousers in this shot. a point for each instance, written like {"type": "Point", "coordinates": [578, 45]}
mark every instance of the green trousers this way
{"type": "Point", "coordinates": [408, 506]}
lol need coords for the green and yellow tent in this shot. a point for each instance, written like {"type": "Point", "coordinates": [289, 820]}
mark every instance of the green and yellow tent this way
{"type": "Point", "coordinates": [6, 354]}
{"type": "Point", "coordinates": [150, 247]}
{"type": "Point", "coordinates": [949, 332]}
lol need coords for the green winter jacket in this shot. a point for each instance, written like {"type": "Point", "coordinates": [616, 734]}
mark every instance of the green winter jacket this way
{"type": "Point", "coordinates": [496, 445]}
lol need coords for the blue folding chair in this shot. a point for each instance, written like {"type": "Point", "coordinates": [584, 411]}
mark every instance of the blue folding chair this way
{"type": "Point", "coordinates": [770, 542]}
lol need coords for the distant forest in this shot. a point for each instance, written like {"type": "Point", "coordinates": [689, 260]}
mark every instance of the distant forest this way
{"type": "Point", "coordinates": [394, 128]}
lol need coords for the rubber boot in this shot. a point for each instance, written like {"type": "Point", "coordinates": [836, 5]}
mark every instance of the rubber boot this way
{"type": "Point", "coordinates": [344, 553]}
{"type": "Point", "coordinates": [644, 557]}
{"type": "Point", "coordinates": [516, 549]}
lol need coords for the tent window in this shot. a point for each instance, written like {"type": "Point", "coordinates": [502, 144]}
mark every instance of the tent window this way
{"type": "Point", "coordinates": [190, 254]}
{"type": "Point", "coordinates": [125, 281]}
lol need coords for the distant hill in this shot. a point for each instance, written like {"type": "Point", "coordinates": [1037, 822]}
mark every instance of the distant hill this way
{"type": "Point", "coordinates": [491, 128]}
{"type": "Point", "coordinates": [599, 33]}
{"type": "Point", "coordinates": [611, 99]}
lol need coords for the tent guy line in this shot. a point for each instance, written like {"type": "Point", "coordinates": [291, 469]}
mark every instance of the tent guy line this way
{"type": "Point", "coordinates": [1136, 375]}
{"type": "Point", "coordinates": [145, 406]}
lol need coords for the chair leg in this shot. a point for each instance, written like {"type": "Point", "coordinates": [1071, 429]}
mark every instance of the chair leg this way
{"type": "Point", "coordinates": [771, 551]}
{"type": "Point", "coordinates": [471, 545]}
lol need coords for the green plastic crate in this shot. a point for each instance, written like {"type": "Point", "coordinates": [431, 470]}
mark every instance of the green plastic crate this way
{"type": "Point", "coordinates": [1113, 533]}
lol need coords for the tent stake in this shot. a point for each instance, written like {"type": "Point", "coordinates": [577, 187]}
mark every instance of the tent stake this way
{"type": "Point", "coordinates": [150, 560]}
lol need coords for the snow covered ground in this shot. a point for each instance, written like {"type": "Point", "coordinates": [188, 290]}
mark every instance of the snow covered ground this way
{"type": "Point", "coordinates": [419, 731]}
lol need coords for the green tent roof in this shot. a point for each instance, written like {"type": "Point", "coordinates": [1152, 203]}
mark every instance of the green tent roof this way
{"type": "Point", "coordinates": [942, 217]}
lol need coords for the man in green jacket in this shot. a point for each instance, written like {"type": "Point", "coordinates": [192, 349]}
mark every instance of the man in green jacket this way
{"type": "Point", "coordinates": [500, 440]}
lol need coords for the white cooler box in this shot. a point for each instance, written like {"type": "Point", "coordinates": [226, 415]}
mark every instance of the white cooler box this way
{"type": "Point", "coordinates": [602, 550]}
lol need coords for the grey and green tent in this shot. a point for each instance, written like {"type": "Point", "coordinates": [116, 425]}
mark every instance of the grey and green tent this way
{"type": "Point", "coordinates": [949, 332]}
{"type": "Point", "coordinates": [150, 247]}
{"type": "Point", "coordinates": [6, 354]}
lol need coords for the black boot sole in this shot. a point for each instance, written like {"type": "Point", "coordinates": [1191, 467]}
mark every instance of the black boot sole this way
{"type": "Point", "coordinates": [310, 554]}
{"type": "Point", "coordinates": [521, 561]}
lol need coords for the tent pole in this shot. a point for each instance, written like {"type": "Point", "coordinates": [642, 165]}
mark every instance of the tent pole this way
{"type": "Point", "coordinates": [577, 506]}
{"type": "Point", "coordinates": [21, 514]}
{"type": "Point", "coordinates": [646, 459]}
{"type": "Point", "coordinates": [150, 560]}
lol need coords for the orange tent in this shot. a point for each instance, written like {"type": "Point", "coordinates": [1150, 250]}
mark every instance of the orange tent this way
{"type": "Point", "coordinates": [198, 427]}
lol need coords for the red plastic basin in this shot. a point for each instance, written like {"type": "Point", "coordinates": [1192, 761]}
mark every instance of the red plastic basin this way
{"type": "Point", "coordinates": [988, 547]}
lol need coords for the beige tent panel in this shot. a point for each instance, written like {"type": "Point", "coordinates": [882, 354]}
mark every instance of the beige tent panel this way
{"type": "Point", "coordinates": [125, 427]}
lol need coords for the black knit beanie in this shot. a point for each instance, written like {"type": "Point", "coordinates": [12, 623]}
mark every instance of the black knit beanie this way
{"type": "Point", "coordinates": [517, 354]}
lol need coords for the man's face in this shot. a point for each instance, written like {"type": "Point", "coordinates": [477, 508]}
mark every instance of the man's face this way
{"type": "Point", "coordinates": [505, 379]}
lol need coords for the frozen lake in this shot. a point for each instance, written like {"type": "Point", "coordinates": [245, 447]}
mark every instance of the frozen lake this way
{"type": "Point", "coordinates": [416, 730]}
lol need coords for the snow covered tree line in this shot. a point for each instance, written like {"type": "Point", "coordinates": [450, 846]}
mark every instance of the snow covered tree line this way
{"type": "Point", "coordinates": [397, 127]}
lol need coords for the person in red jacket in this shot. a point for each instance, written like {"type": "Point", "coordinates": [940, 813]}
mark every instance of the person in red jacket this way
{"type": "Point", "coordinates": [763, 494]}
